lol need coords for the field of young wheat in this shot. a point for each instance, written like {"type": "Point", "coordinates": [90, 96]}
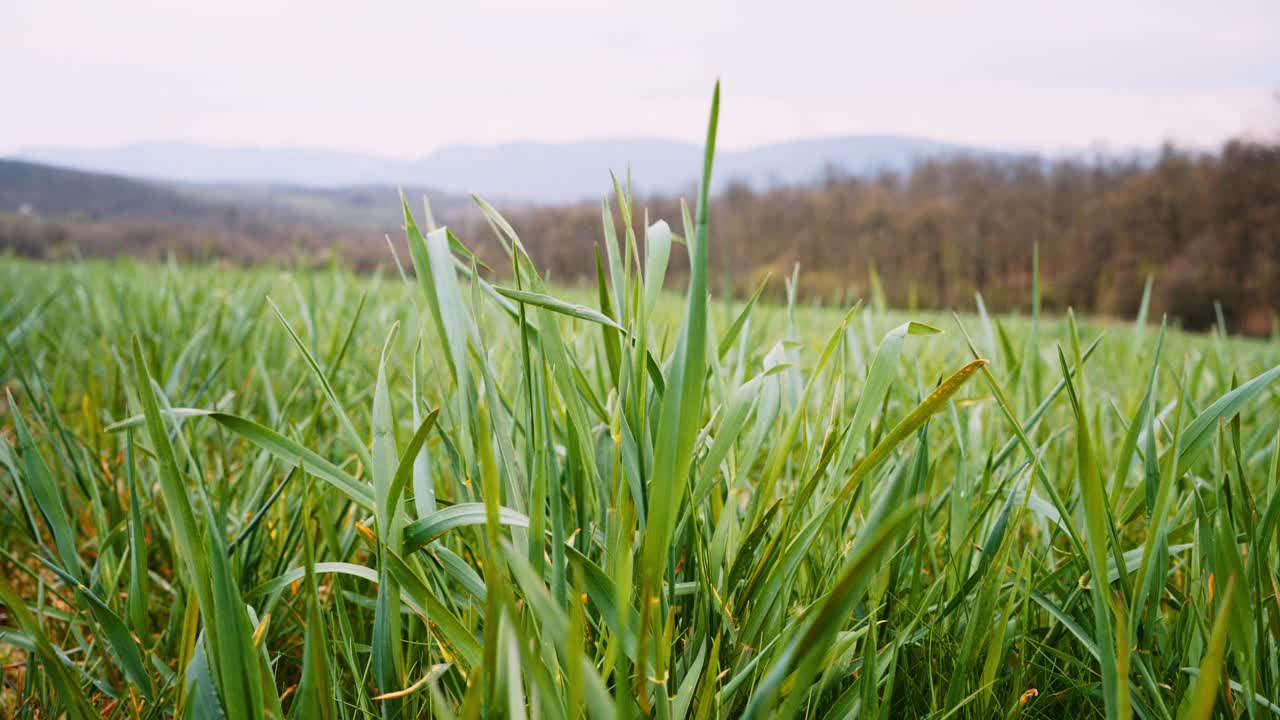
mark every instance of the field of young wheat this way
{"type": "Point", "coordinates": [245, 494]}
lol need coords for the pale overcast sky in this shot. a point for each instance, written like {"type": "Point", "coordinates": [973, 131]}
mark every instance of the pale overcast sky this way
{"type": "Point", "coordinates": [403, 77]}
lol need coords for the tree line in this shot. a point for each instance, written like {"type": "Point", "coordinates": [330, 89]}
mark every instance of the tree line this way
{"type": "Point", "coordinates": [1204, 226]}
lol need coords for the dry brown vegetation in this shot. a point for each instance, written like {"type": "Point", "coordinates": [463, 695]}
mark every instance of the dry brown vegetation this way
{"type": "Point", "coordinates": [1206, 227]}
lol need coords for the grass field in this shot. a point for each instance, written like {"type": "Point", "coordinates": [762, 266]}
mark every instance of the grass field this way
{"type": "Point", "coordinates": [242, 494]}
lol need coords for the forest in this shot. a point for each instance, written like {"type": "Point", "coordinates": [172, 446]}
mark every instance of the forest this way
{"type": "Point", "coordinates": [1205, 227]}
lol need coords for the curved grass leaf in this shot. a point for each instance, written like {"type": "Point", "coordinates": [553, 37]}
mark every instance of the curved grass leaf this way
{"type": "Point", "coordinates": [421, 533]}
{"type": "Point", "coordinates": [582, 312]}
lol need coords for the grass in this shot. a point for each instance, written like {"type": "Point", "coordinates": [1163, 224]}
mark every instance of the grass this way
{"type": "Point", "coordinates": [251, 494]}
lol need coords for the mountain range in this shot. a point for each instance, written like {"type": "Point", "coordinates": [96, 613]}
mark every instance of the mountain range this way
{"type": "Point", "coordinates": [522, 173]}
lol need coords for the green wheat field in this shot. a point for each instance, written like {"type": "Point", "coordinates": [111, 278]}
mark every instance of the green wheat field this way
{"type": "Point", "coordinates": [424, 493]}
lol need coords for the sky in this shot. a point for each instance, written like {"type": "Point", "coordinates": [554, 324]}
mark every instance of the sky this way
{"type": "Point", "coordinates": [401, 78]}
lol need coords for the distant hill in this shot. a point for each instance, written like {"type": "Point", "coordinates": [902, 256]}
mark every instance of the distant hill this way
{"type": "Point", "coordinates": [52, 212]}
{"type": "Point", "coordinates": [35, 189]}
{"type": "Point", "coordinates": [540, 173]}
{"type": "Point", "coordinates": [39, 190]}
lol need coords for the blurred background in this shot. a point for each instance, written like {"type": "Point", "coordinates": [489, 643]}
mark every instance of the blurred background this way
{"type": "Point", "coordinates": [929, 145]}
